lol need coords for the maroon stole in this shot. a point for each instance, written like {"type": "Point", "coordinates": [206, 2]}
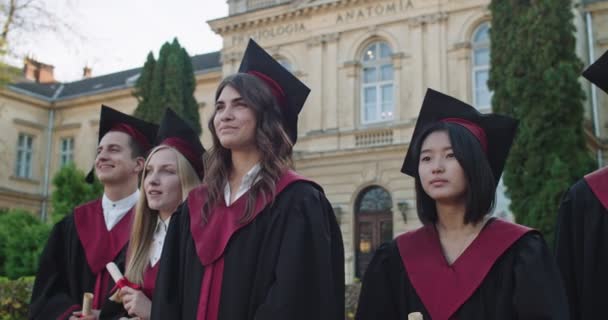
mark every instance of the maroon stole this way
{"type": "Point", "coordinates": [211, 238]}
{"type": "Point", "coordinates": [444, 288]}
{"type": "Point", "coordinates": [100, 245]}
{"type": "Point", "coordinates": [598, 182]}
{"type": "Point", "coordinates": [150, 280]}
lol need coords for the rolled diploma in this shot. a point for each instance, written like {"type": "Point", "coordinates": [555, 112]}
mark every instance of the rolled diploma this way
{"type": "Point", "coordinates": [415, 316]}
{"type": "Point", "coordinates": [114, 271]}
{"type": "Point", "coordinates": [116, 275]}
{"type": "Point", "coordinates": [87, 304]}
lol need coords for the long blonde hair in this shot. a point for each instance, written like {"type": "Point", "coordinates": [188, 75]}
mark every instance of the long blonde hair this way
{"type": "Point", "coordinates": [145, 219]}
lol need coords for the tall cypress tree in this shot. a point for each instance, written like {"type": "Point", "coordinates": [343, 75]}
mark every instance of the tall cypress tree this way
{"type": "Point", "coordinates": [143, 89]}
{"type": "Point", "coordinates": [190, 104]}
{"type": "Point", "coordinates": [173, 78]}
{"type": "Point", "coordinates": [168, 83]}
{"type": "Point", "coordinates": [534, 76]}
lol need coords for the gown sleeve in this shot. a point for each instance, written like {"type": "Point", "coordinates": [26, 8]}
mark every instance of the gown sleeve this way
{"type": "Point", "coordinates": [51, 297]}
{"type": "Point", "coordinates": [377, 300]}
{"type": "Point", "coordinates": [309, 272]}
{"type": "Point", "coordinates": [538, 292]}
{"type": "Point", "coordinates": [569, 250]}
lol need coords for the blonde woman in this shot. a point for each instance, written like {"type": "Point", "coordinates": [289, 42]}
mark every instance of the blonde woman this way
{"type": "Point", "coordinates": [172, 169]}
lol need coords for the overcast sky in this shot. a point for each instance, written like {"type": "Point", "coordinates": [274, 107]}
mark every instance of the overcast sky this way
{"type": "Point", "coordinates": [118, 34]}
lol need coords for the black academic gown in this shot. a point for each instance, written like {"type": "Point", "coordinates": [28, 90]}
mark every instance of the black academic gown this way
{"type": "Point", "coordinates": [287, 263]}
{"type": "Point", "coordinates": [522, 282]}
{"type": "Point", "coordinates": [73, 262]}
{"type": "Point", "coordinates": [115, 310]}
{"type": "Point", "coordinates": [581, 248]}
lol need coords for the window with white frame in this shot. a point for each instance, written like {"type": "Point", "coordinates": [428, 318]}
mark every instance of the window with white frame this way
{"type": "Point", "coordinates": [66, 154]}
{"type": "Point", "coordinates": [23, 166]}
{"type": "Point", "coordinates": [377, 88]}
{"type": "Point", "coordinates": [482, 96]}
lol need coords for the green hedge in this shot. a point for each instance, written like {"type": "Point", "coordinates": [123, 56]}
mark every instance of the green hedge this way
{"type": "Point", "coordinates": [15, 297]}
{"type": "Point", "coordinates": [22, 238]}
{"type": "Point", "coordinates": [351, 298]}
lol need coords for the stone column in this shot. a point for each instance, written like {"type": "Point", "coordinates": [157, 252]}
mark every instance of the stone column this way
{"type": "Point", "coordinates": [313, 114]}
{"type": "Point", "coordinates": [330, 86]}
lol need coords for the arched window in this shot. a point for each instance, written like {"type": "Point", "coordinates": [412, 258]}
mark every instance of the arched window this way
{"type": "Point", "coordinates": [377, 91]}
{"type": "Point", "coordinates": [482, 96]}
{"type": "Point", "coordinates": [374, 224]}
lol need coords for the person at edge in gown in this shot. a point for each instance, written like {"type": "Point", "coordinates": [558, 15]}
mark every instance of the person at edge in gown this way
{"type": "Point", "coordinates": [256, 240]}
{"type": "Point", "coordinates": [173, 168]}
{"type": "Point", "coordinates": [80, 245]}
{"type": "Point", "coordinates": [581, 241]}
{"type": "Point", "coordinates": [461, 264]}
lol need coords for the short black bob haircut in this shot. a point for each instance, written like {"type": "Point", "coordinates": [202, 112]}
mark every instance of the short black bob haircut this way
{"type": "Point", "coordinates": [481, 183]}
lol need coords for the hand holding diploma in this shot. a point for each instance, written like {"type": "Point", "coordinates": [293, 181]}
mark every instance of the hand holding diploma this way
{"type": "Point", "coordinates": [87, 311]}
{"type": "Point", "coordinates": [129, 294]}
{"type": "Point", "coordinates": [120, 280]}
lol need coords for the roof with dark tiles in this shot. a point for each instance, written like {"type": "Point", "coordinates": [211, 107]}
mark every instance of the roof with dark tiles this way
{"type": "Point", "coordinates": [123, 79]}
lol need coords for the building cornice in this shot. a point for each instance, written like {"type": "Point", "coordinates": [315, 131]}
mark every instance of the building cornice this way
{"type": "Point", "coordinates": [280, 13]}
{"type": "Point", "coordinates": [26, 97]}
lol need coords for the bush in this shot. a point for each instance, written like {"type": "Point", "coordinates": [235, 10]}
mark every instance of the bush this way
{"type": "Point", "coordinates": [15, 297]}
{"type": "Point", "coordinates": [22, 238]}
{"type": "Point", "coordinates": [351, 299]}
{"type": "Point", "coordinates": [71, 190]}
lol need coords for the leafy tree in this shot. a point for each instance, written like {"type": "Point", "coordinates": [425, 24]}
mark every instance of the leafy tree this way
{"type": "Point", "coordinates": [534, 75]}
{"type": "Point", "coordinates": [168, 82]}
{"type": "Point", "coordinates": [71, 190]}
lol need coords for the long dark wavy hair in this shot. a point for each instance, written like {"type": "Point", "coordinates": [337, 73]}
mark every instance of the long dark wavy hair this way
{"type": "Point", "coordinates": [271, 141]}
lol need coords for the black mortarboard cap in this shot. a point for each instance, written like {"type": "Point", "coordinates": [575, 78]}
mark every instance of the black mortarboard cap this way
{"type": "Point", "coordinates": [141, 131]}
{"type": "Point", "coordinates": [597, 73]}
{"type": "Point", "coordinates": [291, 93]}
{"type": "Point", "coordinates": [499, 130]}
{"type": "Point", "coordinates": [177, 133]}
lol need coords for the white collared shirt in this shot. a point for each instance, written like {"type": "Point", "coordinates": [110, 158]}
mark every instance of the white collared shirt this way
{"type": "Point", "coordinates": [246, 184]}
{"type": "Point", "coordinates": [158, 240]}
{"type": "Point", "coordinates": [113, 211]}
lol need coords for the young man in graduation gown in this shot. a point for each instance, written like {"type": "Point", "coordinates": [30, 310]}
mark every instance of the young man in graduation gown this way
{"type": "Point", "coordinates": [461, 264]}
{"type": "Point", "coordinates": [581, 242]}
{"type": "Point", "coordinates": [257, 240]}
{"type": "Point", "coordinates": [79, 246]}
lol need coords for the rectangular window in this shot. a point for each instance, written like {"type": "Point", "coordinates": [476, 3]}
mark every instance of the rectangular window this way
{"type": "Point", "coordinates": [67, 150]}
{"type": "Point", "coordinates": [369, 101]}
{"type": "Point", "coordinates": [23, 167]}
{"type": "Point", "coordinates": [377, 94]}
{"type": "Point", "coordinates": [387, 102]}
{"type": "Point", "coordinates": [482, 94]}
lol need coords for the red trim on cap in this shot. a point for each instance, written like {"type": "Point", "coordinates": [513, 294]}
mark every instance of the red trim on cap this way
{"type": "Point", "coordinates": [185, 148]}
{"type": "Point", "coordinates": [277, 90]}
{"type": "Point", "coordinates": [134, 133]}
{"type": "Point", "coordinates": [475, 129]}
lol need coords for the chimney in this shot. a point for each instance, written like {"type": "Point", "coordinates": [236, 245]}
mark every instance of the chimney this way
{"type": "Point", "coordinates": [87, 72]}
{"type": "Point", "coordinates": [37, 71]}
